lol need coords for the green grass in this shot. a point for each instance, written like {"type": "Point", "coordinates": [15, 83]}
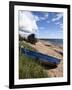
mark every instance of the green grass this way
{"type": "Point", "coordinates": [29, 67]}
{"type": "Point", "coordinates": [25, 45]}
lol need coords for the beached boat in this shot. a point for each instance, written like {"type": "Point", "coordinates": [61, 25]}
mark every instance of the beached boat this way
{"type": "Point", "coordinates": [46, 59]}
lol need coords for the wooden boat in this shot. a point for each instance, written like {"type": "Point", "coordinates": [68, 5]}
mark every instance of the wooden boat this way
{"type": "Point", "coordinates": [46, 59]}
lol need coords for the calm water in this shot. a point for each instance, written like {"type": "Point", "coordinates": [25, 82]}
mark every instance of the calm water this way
{"type": "Point", "coordinates": [55, 41]}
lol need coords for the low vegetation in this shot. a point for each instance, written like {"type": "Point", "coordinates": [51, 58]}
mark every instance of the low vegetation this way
{"type": "Point", "coordinates": [29, 67]}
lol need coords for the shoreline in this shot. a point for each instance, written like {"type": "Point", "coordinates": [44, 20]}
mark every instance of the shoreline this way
{"type": "Point", "coordinates": [50, 43]}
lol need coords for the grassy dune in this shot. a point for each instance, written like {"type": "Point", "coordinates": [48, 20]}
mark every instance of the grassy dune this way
{"type": "Point", "coordinates": [29, 67]}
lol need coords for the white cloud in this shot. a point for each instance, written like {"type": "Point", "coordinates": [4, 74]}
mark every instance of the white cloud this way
{"type": "Point", "coordinates": [46, 15]}
{"type": "Point", "coordinates": [61, 26]}
{"type": "Point", "coordinates": [27, 22]}
{"type": "Point", "coordinates": [36, 18]}
{"type": "Point", "coordinates": [58, 17]}
{"type": "Point", "coordinates": [57, 23]}
{"type": "Point", "coordinates": [42, 18]}
{"type": "Point", "coordinates": [23, 34]}
{"type": "Point", "coordinates": [41, 28]}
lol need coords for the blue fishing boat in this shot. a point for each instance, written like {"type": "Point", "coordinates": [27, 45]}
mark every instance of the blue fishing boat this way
{"type": "Point", "coordinates": [46, 59]}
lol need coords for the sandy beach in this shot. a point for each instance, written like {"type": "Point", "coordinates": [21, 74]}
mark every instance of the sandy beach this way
{"type": "Point", "coordinates": [52, 50]}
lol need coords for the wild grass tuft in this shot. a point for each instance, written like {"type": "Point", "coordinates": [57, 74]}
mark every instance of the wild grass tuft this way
{"type": "Point", "coordinates": [29, 67]}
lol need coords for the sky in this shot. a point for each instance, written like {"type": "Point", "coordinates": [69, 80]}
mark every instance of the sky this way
{"type": "Point", "coordinates": [48, 25]}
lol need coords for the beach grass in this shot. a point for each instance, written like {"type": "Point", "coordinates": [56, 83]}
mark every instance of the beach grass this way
{"type": "Point", "coordinates": [29, 67]}
{"type": "Point", "coordinates": [26, 45]}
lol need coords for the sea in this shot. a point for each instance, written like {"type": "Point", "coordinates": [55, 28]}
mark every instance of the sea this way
{"type": "Point", "coordinates": [55, 41]}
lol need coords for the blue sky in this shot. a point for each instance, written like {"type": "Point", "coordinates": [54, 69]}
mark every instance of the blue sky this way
{"type": "Point", "coordinates": [50, 24]}
{"type": "Point", "coordinates": [43, 24]}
